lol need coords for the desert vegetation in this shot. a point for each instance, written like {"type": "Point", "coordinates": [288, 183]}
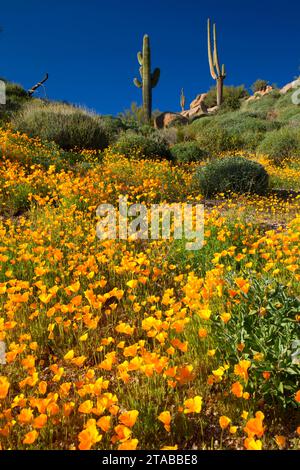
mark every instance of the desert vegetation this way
{"type": "Point", "coordinates": [142, 344]}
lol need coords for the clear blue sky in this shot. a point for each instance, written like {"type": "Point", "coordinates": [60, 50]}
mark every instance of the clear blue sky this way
{"type": "Point", "coordinates": [89, 46]}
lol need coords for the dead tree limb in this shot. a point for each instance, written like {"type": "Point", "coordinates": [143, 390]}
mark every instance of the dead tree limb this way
{"type": "Point", "coordinates": [35, 87]}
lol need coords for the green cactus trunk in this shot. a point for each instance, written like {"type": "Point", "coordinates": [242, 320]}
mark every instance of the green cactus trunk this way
{"type": "Point", "coordinates": [220, 82]}
{"type": "Point", "coordinates": [147, 88]}
{"type": "Point", "coordinates": [149, 79]}
{"type": "Point", "coordinates": [216, 71]}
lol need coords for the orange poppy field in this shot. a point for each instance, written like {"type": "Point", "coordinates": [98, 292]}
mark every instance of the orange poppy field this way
{"type": "Point", "coordinates": [141, 344]}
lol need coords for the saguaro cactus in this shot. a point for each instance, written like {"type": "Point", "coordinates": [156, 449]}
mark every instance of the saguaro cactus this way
{"type": "Point", "coordinates": [182, 99]}
{"type": "Point", "coordinates": [217, 73]}
{"type": "Point", "coordinates": [149, 80]}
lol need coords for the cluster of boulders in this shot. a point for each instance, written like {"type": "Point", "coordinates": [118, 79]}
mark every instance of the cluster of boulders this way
{"type": "Point", "coordinates": [268, 89]}
{"type": "Point", "coordinates": [290, 86]}
{"type": "Point", "coordinates": [199, 109]}
{"type": "Point", "coordinates": [259, 94]}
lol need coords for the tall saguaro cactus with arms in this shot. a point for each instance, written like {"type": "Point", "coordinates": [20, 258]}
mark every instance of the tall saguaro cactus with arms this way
{"type": "Point", "coordinates": [217, 73]}
{"type": "Point", "coordinates": [149, 80]}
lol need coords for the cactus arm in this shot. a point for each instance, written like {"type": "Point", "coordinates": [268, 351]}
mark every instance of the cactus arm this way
{"type": "Point", "coordinates": [223, 71]}
{"type": "Point", "coordinates": [140, 58]}
{"type": "Point", "coordinates": [137, 83]}
{"type": "Point", "coordinates": [216, 57]}
{"type": "Point", "coordinates": [141, 72]}
{"type": "Point", "coordinates": [182, 100]}
{"type": "Point", "coordinates": [210, 57]}
{"type": "Point", "coordinates": [155, 77]}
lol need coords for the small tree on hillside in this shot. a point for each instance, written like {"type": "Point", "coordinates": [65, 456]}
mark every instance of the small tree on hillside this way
{"type": "Point", "coordinates": [259, 85]}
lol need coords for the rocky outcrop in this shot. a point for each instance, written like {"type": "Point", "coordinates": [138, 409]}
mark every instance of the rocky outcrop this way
{"type": "Point", "coordinates": [290, 86]}
{"type": "Point", "coordinates": [169, 119]}
{"type": "Point", "coordinates": [198, 100]}
{"type": "Point", "coordinates": [259, 94]}
{"type": "Point", "coordinates": [197, 108]}
{"type": "Point", "coordinates": [213, 110]}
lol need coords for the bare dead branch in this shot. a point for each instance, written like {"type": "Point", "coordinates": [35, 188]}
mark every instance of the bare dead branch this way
{"type": "Point", "coordinates": [35, 87]}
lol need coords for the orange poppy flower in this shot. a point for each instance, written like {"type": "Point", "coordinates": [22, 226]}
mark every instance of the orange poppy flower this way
{"type": "Point", "coordinates": [25, 416]}
{"type": "Point", "coordinates": [224, 422]}
{"type": "Point", "coordinates": [254, 426]}
{"type": "Point", "coordinates": [30, 437]}
{"type": "Point", "coordinates": [40, 421]}
{"type": "Point", "coordinates": [193, 405]}
{"type": "Point", "coordinates": [4, 386]}
{"type": "Point", "coordinates": [251, 444]}
{"type": "Point", "coordinates": [104, 423]}
{"type": "Point", "coordinates": [165, 418]}
{"type": "Point", "coordinates": [130, 444]}
{"type": "Point", "coordinates": [241, 369]}
{"type": "Point", "coordinates": [237, 389]}
{"type": "Point", "coordinates": [129, 418]}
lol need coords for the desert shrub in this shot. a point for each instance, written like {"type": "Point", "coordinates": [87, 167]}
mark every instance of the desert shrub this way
{"type": "Point", "coordinates": [234, 174]}
{"type": "Point", "coordinates": [149, 146]}
{"type": "Point", "coordinates": [186, 152]}
{"type": "Point", "coordinates": [294, 121]}
{"type": "Point", "coordinates": [263, 104]}
{"type": "Point", "coordinates": [281, 145]}
{"type": "Point", "coordinates": [246, 129]}
{"type": "Point", "coordinates": [133, 117]}
{"type": "Point", "coordinates": [235, 130]}
{"type": "Point", "coordinates": [215, 139]}
{"type": "Point", "coordinates": [232, 96]}
{"type": "Point", "coordinates": [172, 135]}
{"type": "Point", "coordinates": [238, 122]}
{"type": "Point", "coordinates": [289, 115]}
{"type": "Point", "coordinates": [259, 85]}
{"type": "Point", "coordinates": [16, 200]}
{"type": "Point", "coordinates": [113, 126]}
{"type": "Point", "coordinates": [67, 126]}
{"type": "Point", "coordinates": [192, 130]}
{"type": "Point", "coordinates": [16, 96]}
{"type": "Point", "coordinates": [285, 101]}
{"type": "Point", "coordinates": [251, 139]}
{"type": "Point", "coordinates": [265, 323]}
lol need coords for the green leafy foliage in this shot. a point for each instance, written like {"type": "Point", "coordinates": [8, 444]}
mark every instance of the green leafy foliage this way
{"type": "Point", "coordinates": [281, 145]}
{"type": "Point", "coordinates": [232, 97]}
{"type": "Point", "coordinates": [235, 174]}
{"type": "Point", "coordinates": [259, 85]}
{"type": "Point", "coordinates": [149, 145]}
{"type": "Point", "coordinates": [186, 152]}
{"type": "Point", "coordinates": [265, 323]}
{"type": "Point", "coordinates": [67, 126]}
{"type": "Point", "coordinates": [16, 96]}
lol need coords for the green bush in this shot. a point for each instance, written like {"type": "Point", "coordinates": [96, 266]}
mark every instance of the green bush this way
{"type": "Point", "coordinates": [186, 152]}
{"type": "Point", "coordinates": [234, 174]}
{"type": "Point", "coordinates": [251, 139]}
{"type": "Point", "coordinates": [274, 335]}
{"type": "Point", "coordinates": [264, 104]}
{"type": "Point", "coordinates": [246, 129]}
{"type": "Point", "coordinates": [259, 85]}
{"type": "Point", "coordinates": [152, 145]}
{"type": "Point", "coordinates": [113, 126]}
{"type": "Point", "coordinates": [16, 96]}
{"type": "Point", "coordinates": [67, 126]}
{"type": "Point", "coordinates": [235, 130]}
{"type": "Point", "coordinates": [216, 139]}
{"type": "Point", "coordinates": [281, 145]}
{"type": "Point", "coordinates": [15, 201]}
{"type": "Point", "coordinates": [232, 96]}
